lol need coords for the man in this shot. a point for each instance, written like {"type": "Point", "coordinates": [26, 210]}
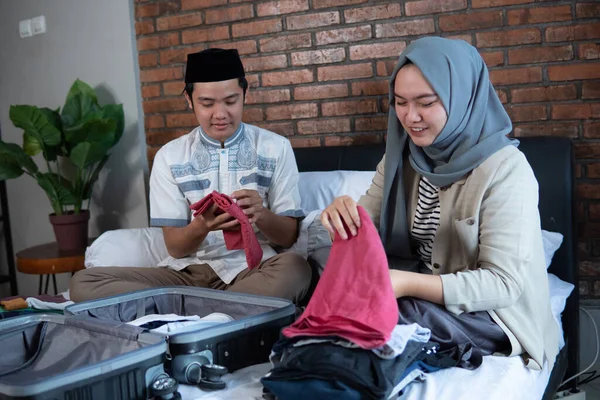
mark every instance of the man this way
{"type": "Point", "coordinates": [255, 167]}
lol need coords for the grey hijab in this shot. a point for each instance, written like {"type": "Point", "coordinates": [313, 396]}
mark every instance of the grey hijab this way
{"type": "Point", "coordinates": [476, 128]}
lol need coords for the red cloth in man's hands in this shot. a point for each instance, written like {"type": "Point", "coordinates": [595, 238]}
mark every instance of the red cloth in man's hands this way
{"type": "Point", "coordinates": [244, 238]}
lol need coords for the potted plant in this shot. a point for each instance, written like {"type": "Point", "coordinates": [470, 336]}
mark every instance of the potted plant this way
{"type": "Point", "coordinates": [75, 144]}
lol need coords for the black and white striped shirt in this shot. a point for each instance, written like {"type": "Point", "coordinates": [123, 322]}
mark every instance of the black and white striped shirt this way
{"type": "Point", "coordinates": [427, 220]}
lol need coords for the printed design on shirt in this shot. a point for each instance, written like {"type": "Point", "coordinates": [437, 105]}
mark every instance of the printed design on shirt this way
{"type": "Point", "coordinates": [178, 223]}
{"type": "Point", "coordinates": [183, 170]}
{"type": "Point", "coordinates": [190, 186]}
{"type": "Point", "coordinates": [292, 213]}
{"type": "Point", "coordinates": [260, 180]}
{"type": "Point", "coordinates": [266, 164]}
{"type": "Point", "coordinates": [245, 154]}
{"type": "Point", "coordinates": [203, 160]}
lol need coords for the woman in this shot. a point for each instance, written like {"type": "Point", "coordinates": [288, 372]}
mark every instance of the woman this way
{"type": "Point", "coordinates": [456, 196]}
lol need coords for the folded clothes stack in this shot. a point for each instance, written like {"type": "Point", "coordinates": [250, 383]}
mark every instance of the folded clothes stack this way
{"type": "Point", "coordinates": [40, 302]}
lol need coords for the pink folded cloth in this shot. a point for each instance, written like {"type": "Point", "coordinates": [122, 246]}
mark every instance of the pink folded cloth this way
{"type": "Point", "coordinates": [244, 238]}
{"type": "Point", "coordinates": [354, 298]}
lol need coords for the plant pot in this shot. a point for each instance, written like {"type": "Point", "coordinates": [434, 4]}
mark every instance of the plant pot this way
{"type": "Point", "coordinates": [71, 230]}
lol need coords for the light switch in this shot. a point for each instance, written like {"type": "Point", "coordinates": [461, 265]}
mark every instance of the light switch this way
{"type": "Point", "coordinates": [25, 28]}
{"type": "Point", "coordinates": [38, 25]}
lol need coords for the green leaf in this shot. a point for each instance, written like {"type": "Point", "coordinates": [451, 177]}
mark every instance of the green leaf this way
{"type": "Point", "coordinates": [86, 154]}
{"type": "Point", "coordinates": [34, 121]}
{"type": "Point", "coordinates": [10, 171]}
{"type": "Point", "coordinates": [115, 112]}
{"type": "Point", "coordinates": [89, 185]}
{"type": "Point", "coordinates": [58, 189]}
{"type": "Point", "coordinates": [9, 166]}
{"type": "Point", "coordinates": [101, 131]}
{"type": "Point", "coordinates": [78, 109]}
{"type": "Point", "coordinates": [31, 145]}
{"type": "Point", "coordinates": [53, 117]}
{"type": "Point", "coordinates": [47, 183]}
{"type": "Point", "coordinates": [13, 160]}
{"type": "Point", "coordinates": [80, 87]}
{"type": "Point", "coordinates": [81, 104]}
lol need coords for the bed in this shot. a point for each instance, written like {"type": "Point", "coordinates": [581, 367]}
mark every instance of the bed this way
{"type": "Point", "coordinates": [552, 161]}
{"type": "Point", "coordinates": [498, 377]}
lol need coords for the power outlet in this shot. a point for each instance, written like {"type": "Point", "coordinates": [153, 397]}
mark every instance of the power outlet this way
{"type": "Point", "coordinates": [567, 395]}
{"type": "Point", "coordinates": [32, 27]}
{"type": "Point", "coordinates": [25, 28]}
{"type": "Point", "coordinates": [38, 25]}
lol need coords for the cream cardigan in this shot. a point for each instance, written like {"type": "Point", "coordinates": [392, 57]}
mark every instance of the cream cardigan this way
{"type": "Point", "coordinates": [488, 249]}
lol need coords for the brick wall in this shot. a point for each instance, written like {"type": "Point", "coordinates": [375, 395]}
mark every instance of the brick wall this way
{"type": "Point", "coordinates": [319, 70]}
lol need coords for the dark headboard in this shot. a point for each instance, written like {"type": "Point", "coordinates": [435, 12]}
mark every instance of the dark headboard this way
{"type": "Point", "coordinates": [552, 161]}
{"type": "Point", "coordinates": [349, 158]}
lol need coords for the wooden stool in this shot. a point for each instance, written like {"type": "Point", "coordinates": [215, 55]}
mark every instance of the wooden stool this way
{"type": "Point", "coordinates": [46, 260]}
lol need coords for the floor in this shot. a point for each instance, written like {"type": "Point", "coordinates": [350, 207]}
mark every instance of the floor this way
{"type": "Point", "coordinates": [592, 390]}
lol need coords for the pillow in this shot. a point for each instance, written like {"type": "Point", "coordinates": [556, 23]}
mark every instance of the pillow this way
{"type": "Point", "coordinates": [318, 189]}
{"type": "Point", "coordinates": [559, 292]}
{"type": "Point", "coordinates": [551, 241]}
{"type": "Point", "coordinates": [139, 247]}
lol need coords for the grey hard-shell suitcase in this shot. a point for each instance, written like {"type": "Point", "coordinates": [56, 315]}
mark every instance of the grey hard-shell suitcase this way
{"type": "Point", "coordinates": [50, 356]}
{"type": "Point", "coordinates": [237, 344]}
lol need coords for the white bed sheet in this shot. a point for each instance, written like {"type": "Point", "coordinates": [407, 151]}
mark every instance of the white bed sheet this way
{"type": "Point", "coordinates": [243, 384]}
{"type": "Point", "coordinates": [498, 378]}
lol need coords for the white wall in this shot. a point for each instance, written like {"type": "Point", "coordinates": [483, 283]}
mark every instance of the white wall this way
{"type": "Point", "coordinates": [94, 41]}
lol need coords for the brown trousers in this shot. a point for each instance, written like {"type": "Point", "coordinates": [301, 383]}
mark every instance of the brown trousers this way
{"type": "Point", "coordinates": [285, 275]}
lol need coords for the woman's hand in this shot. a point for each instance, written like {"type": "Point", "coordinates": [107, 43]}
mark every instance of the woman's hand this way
{"type": "Point", "coordinates": [341, 209]}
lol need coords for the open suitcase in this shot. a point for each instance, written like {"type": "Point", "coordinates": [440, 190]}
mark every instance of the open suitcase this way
{"type": "Point", "coordinates": [50, 356]}
{"type": "Point", "coordinates": [247, 340]}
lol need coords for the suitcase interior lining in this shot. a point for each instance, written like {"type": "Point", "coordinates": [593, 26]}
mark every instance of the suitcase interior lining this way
{"type": "Point", "coordinates": [63, 348]}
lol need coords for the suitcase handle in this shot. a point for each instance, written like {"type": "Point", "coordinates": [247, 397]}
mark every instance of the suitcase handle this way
{"type": "Point", "coordinates": [112, 328]}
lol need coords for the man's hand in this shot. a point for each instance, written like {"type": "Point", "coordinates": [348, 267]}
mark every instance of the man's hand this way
{"type": "Point", "coordinates": [251, 203]}
{"type": "Point", "coordinates": [213, 220]}
{"type": "Point", "coordinates": [184, 241]}
{"type": "Point", "coordinates": [278, 229]}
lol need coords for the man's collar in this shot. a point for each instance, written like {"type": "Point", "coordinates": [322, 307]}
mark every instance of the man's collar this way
{"type": "Point", "coordinates": [237, 136]}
